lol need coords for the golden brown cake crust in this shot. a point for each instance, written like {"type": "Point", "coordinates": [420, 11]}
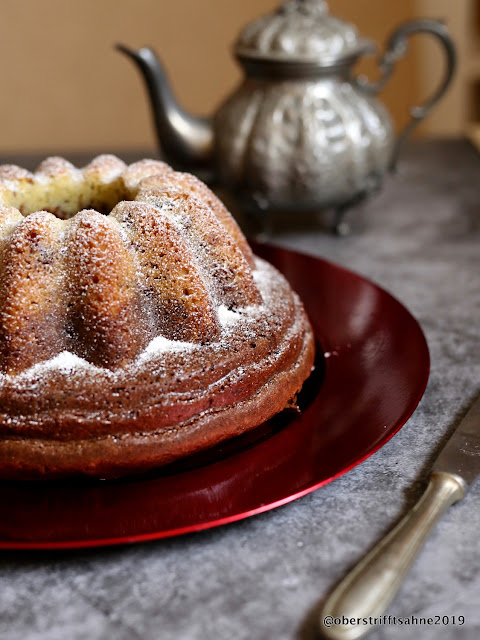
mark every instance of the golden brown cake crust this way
{"type": "Point", "coordinates": [133, 339]}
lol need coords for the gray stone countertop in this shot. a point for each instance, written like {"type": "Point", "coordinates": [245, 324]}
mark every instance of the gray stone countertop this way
{"type": "Point", "coordinates": [265, 578]}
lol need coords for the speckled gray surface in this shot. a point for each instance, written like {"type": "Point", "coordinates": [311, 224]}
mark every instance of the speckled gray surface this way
{"type": "Point", "coordinates": [265, 577]}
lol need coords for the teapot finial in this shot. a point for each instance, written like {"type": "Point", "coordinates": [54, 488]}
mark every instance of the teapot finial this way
{"type": "Point", "coordinates": [308, 7]}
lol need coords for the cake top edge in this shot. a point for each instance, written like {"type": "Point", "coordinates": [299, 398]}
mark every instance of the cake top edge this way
{"type": "Point", "coordinates": [64, 189]}
{"type": "Point", "coordinates": [104, 166]}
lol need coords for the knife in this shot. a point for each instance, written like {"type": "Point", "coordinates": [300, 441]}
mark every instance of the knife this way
{"type": "Point", "coordinates": [365, 593]}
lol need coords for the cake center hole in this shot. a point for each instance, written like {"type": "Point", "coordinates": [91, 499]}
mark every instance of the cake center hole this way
{"type": "Point", "coordinates": [67, 199]}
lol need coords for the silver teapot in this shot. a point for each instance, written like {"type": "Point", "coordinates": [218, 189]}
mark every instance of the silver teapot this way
{"type": "Point", "coordinates": [301, 132]}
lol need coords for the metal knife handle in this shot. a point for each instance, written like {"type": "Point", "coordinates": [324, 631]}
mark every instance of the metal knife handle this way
{"type": "Point", "coordinates": [371, 586]}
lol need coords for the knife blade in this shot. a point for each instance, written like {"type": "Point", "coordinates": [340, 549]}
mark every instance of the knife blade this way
{"type": "Point", "coordinates": [461, 455]}
{"type": "Point", "coordinates": [357, 603]}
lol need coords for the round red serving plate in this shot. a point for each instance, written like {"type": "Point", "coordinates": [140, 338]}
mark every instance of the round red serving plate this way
{"type": "Point", "coordinates": [372, 377]}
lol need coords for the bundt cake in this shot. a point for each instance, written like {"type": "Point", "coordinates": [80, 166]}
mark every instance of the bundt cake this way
{"type": "Point", "coordinates": [136, 326]}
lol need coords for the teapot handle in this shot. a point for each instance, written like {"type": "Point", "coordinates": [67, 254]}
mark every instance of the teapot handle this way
{"type": "Point", "coordinates": [396, 48]}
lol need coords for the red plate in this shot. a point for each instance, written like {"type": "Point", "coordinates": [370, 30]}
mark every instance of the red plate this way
{"type": "Point", "coordinates": [373, 375]}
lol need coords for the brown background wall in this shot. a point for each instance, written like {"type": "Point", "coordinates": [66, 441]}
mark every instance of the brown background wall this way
{"type": "Point", "coordinates": [63, 87]}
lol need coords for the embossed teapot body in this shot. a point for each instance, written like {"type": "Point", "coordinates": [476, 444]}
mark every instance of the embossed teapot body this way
{"type": "Point", "coordinates": [301, 131]}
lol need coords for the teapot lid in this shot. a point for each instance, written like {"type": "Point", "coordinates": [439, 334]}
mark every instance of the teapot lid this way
{"type": "Point", "coordinates": [301, 31]}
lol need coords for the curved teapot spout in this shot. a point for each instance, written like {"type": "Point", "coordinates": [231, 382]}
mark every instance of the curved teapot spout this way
{"type": "Point", "coordinates": [186, 140]}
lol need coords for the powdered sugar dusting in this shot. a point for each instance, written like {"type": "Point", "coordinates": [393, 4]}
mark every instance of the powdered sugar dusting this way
{"type": "Point", "coordinates": [68, 363]}
{"type": "Point", "coordinates": [263, 277]}
{"type": "Point", "coordinates": [65, 362]}
{"type": "Point", "coordinates": [227, 317]}
{"type": "Point", "coordinates": [161, 345]}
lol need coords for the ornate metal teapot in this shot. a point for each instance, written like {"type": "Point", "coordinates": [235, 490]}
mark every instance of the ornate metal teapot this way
{"type": "Point", "coordinates": [301, 132]}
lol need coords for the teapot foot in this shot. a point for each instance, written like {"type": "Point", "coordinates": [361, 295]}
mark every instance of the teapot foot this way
{"type": "Point", "coordinates": [259, 221]}
{"type": "Point", "coordinates": [340, 226]}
